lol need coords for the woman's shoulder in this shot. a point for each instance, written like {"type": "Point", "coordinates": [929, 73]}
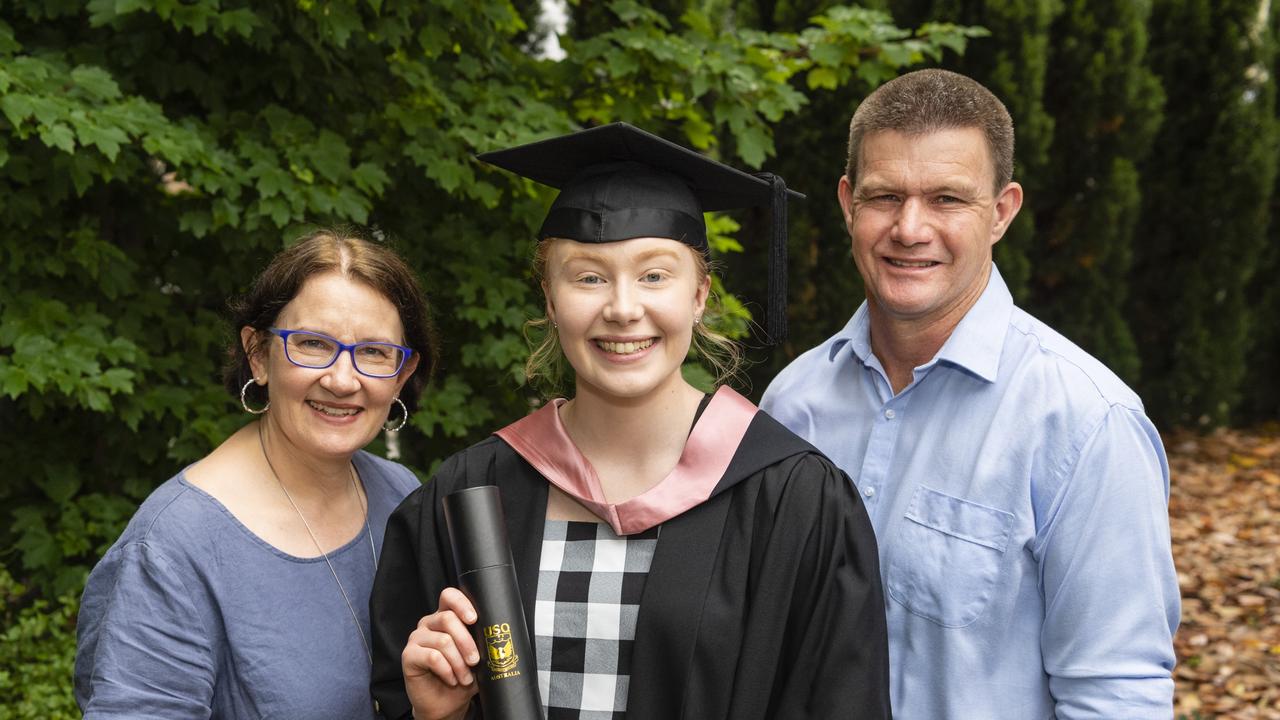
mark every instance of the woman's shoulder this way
{"type": "Point", "coordinates": [464, 468]}
{"type": "Point", "coordinates": [171, 535]}
{"type": "Point", "coordinates": [171, 514]}
{"type": "Point", "coordinates": [786, 464]}
{"type": "Point", "coordinates": [805, 470]}
{"type": "Point", "coordinates": [768, 444]}
{"type": "Point", "coordinates": [468, 467]}
{"type": "Point", "coordinates": [385, 476]}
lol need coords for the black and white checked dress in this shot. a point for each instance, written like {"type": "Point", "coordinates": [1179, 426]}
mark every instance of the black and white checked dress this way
{"type": "Point", "coordinates": [589, 586]}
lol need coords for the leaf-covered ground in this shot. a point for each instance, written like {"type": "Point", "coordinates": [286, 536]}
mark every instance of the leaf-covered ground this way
{"type": "Point", "coordinates": [1224, 512]}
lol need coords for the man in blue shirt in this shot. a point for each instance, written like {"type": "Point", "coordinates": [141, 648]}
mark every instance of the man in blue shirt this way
{"type": "Point", "coordinates": [1018, 492]}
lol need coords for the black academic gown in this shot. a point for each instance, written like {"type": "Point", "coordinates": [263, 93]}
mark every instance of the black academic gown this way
{"type": "Point", "coordinates": [762, 602]}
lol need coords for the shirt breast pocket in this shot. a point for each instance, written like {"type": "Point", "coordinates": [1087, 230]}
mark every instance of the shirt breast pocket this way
{"type": "Point", "coordinates": [947, 557]}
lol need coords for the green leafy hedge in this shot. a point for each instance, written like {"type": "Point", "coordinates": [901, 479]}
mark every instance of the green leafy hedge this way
{"type": "Point", "coordinates": [37, 648]}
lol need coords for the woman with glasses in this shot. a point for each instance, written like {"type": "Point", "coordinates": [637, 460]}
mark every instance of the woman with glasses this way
{"type": "Point", "coordinates": [240, 588]}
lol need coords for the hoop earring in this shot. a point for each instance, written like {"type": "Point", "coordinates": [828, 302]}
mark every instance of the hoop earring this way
{"type": "Point", "coordinates": [403, 420]}
{"type": "Point", "coordinates": [244, 401]}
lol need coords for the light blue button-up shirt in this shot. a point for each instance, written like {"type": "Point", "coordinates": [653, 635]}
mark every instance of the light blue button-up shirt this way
{"type": "Point", "coordinates": [1019, 496]}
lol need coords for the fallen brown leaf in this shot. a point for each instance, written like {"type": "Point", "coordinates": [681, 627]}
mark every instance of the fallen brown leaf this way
{"type": "Point", "coordinates": [1224, 517]}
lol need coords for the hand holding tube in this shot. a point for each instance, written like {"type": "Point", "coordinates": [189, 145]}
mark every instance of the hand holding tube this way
{"type": "Point", "coordinates": [437, 661]}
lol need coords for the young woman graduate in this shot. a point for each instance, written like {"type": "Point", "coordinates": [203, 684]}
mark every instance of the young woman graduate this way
{"type": "Point", "coordinates": [679, 555]}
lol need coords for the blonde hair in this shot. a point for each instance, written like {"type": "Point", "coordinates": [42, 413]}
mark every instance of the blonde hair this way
{"type": "Point", "coordinates": [546, 368]}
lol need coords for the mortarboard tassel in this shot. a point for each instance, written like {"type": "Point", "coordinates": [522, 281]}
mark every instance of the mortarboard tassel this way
{"type": "Point", "coordinates": [776, 314]}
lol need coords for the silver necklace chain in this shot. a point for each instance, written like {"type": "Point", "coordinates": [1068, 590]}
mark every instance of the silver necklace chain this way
{"type": "Point", "coordinates": [368, 532]}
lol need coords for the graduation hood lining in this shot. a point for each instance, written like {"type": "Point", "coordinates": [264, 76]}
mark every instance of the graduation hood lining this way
{"type": "Point", "coordinates": [540, 438]}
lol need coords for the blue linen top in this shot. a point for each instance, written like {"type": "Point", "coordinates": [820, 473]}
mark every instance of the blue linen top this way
{"type": "Point", "coordinates": [192, 615]}
{"type": "Point", "coordinates": [1019, 496]}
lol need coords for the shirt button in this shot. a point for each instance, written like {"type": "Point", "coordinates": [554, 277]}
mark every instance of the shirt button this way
{"type": "Point", "coordinates": [868, 492]}
{"type": "Point", "coordinates": [888, 414]}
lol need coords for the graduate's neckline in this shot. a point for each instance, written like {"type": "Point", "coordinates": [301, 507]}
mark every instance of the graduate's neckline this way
{"type": "Point", "coordinates": [542, 441]}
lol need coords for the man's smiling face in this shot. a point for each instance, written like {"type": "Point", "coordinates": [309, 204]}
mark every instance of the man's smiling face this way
{"type": "Point", "coordinates": [923, 218]}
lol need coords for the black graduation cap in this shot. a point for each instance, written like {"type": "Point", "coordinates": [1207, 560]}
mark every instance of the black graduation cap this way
{"type": "Point", "coordinates": [619, 182]}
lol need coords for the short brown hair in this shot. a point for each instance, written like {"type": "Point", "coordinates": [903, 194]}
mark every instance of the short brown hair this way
{"type": "Point", "coordinates": [319, 252]}
{"type": "Point", "coordinates": [926, 101]}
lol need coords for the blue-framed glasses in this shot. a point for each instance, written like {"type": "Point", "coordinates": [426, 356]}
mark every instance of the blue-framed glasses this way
{"type": "Point", "coordinates": [317, 351]}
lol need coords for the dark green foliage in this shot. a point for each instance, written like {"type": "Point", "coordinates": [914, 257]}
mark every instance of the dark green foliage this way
{"type": "Point", "coordinates": [1107, 109]}
{"type": "Point", "coordinates": [1261, 401]}
{"type": "Point", "coordinates": [1208, 186]}
{"type": "Point", "coordinates": [1262, 390]}
{"type": "Point", "coordinates": [154, 154]}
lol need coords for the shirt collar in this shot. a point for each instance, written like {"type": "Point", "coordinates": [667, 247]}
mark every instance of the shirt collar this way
{"type": "Point", "coordinates": [977, 342]}
{"type": "Point", "coordinates": [856, 334]}
{"type": "Point", "coordinates": [975, 345]}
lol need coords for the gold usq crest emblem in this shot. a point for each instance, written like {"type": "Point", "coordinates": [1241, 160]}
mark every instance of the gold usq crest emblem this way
{"type": "Point", "coordinates": [502, 651]}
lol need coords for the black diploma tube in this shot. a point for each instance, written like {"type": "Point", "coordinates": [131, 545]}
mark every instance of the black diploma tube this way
{"type": "Point", "coordinates": [487, 576]}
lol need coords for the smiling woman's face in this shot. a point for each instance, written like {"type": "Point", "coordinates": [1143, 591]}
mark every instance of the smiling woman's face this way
{"type": "Point", "coordinates": [330, 413]}
{"type": "Point", "coordinates": [625, 312]}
